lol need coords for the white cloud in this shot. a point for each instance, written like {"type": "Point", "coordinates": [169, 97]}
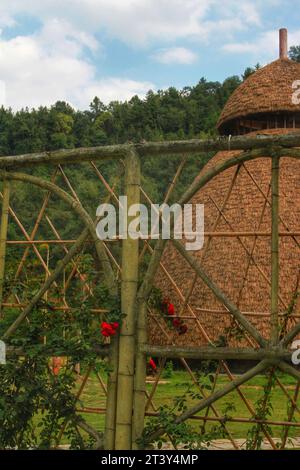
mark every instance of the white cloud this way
{"type": "Point", "coordinates": [114, 88]}
{"type": "Point", "coordinates": [265, 47]}
{"type": "Point", "coordinates": [239, 47]}
{"type": "Point", "coordinates": [132, 21]}
{"type": "Point", "coordinates": [49, 66]}
{"type": "Point", "coordinates": [175, 55]}
{"type": "Point", "coordinates": [246, 11]}
{"type": "Point", "coordinates": [52, 63]}
{"type": "Point", "coordinates": [140, 22]}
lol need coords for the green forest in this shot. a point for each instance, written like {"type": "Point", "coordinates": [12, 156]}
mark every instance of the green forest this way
{"type": "Point", "coordinates": [162, 115]}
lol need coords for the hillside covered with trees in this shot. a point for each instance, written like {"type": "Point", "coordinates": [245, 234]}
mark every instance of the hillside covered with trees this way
{"type": "Point", "coordinates": [170, 114]}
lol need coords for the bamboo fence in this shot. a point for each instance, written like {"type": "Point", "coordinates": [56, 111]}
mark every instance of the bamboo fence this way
{"type": "Point", "coordinates": [128, 401]}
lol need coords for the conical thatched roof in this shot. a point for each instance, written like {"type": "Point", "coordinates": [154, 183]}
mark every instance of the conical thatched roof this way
{"type": "Point", "coordinates": [269, 90]}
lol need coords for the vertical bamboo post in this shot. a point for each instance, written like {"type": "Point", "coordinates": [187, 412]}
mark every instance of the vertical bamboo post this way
{"type": "Point", "coordinates": [111, 400]}
{"type": "Point", "coordinates": [275, 251]}
{"type": "Point", "coordinates": [3, 235]}
{"type": "Point", "coordinates": [130, 260]}
{"type": "Point", "coordinates": [139, 397]}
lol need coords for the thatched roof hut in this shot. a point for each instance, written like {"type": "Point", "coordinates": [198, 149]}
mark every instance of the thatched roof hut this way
{"type": "Point", "coordinates": [238, 200]}
{"type": "Point", "coordinates": [263, 101]}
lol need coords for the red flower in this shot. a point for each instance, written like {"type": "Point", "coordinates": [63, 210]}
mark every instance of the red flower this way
{"type": "Point", "coordinates": [108, 329]}
{"type": "Point", "coordinates": [152, 364]}
{"type": "Point", "coordinates": [176, 323]}
{"type": "Point", "coordinates": [106, 333]}
{"type": "Point", "coordinates": [171, 309]}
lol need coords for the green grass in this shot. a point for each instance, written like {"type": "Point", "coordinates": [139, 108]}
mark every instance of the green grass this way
{"type": "Point", "coordinates": [177, 385]}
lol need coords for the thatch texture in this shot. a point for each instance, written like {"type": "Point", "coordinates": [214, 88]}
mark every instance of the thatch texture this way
{"type": "Point", "coordinates": [268, 90]}
{"type": "Point", "coordinates": [238, 200]}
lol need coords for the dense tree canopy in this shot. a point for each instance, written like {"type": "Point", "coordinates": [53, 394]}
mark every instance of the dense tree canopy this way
{"type": "Point", "coordinates": [169, 114]}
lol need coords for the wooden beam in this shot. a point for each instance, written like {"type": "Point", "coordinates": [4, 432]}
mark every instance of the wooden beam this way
{"type": "Point", "coordinates": [140, 376]}
{"type": "Point", "coordinates": [275, 251]}
{"type": "Point", "coordinates": [190, 147]}
{"type": "Point", "coordinates": [3, 236]}
{"type": "Point", "coordinates": [99, 350]}
{"type": "Point", "coordinates": [211, 353]}
{"type": "Point", "coordinates": [233, 309]}
{"type": "Point", "coordinates": [205, 402]}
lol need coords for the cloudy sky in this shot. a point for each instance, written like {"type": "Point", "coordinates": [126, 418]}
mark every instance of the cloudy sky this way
{"type": "Point", "coordinates": [75, 49]}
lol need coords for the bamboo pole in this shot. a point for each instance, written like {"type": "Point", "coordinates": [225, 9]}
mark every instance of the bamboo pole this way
{"type": "Point", "coordinates": [111, 392]}
{"type": "Point", "coordinates": [39, 295]}
{"type": "Point", "coordinates": [219, 294]}
{"type": "Point", "coordinates": [289, 370]}
{"type": "Point", "coordinates": [89, 230]}
{"type": "Point", "coordinates": [27, 236]}
{"type": "Point", "coordinates": [204, 403]}
{"type": "Point", "coordinates": [234, 420]}
{"type": "Point", "coordinates": [89, 410]}
{"type": "Point", "coordinates": [42, 242]}
{"type": "Point", "coordinates": [291, 413]}
{"type": "Point", "coordinates": [140, 377]}
{"type": "Point", "coordinates": [213, 353]}
{"type": "Point", "coordinates": [157, 149]}
{"type": "Point", "coordinates": [35, 228]}
{"type": "Point", "coordinates": [252, 259]}
{"type": "Point", "coordinates": [201, 328]}
{"type": "Point", "coordinates": [248, 405]}
{"type": "Point", "coordinates": [202, 390]}
{"type": "Point", "coordinates": [153, 265]}
{"type": "Point", "coordinates": [266, 198]}
{"type": "Point", "coordinates": [275, 251]}
{"type": "Point", "coordinates": [111, 399]}
{"type": "Point", "coordinates": [288, 338]}
{"type": "Point", "coordinates": [141, 334]}
{"type": "Point", "coordinates": [205, 335]}
{"type": "Point", "coordinates": [250, 314]}
{"type": "Point", "coordinates": [102, 256]}
{"type": "Point", "coordinates": [3, 235]}
{"type": "Point", "coordinates": [292, 400]}
{"type": "Point", "coordinates": [77, 397]}
{"type": "Point", "coordinates": [81, 212]}
{"type": "Point", "coordinates": [100, 351]}
{"type": "Point", "coordinates": [130, 260]}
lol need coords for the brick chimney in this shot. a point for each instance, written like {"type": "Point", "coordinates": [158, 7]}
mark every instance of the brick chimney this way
{"type": "Point", "coordinates": [283, 43]}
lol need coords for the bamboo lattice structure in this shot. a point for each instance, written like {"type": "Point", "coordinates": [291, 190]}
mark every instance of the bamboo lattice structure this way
{"type": "Point", "coordinates": [129, 402]}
